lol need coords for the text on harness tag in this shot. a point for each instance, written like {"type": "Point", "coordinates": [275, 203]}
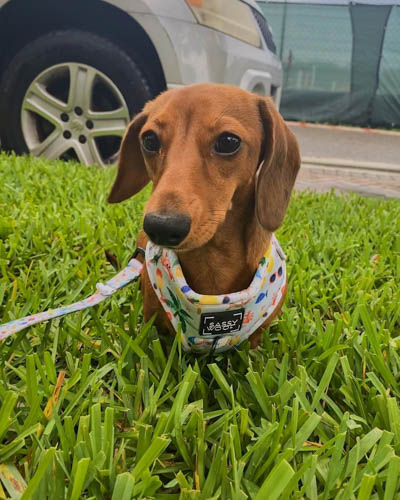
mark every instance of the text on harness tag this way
{"type": "Point", "coordinates": [221, 322]}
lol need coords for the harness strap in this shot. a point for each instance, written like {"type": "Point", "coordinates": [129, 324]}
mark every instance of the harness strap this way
{"type": "Point", "coordinates": [132, 271]}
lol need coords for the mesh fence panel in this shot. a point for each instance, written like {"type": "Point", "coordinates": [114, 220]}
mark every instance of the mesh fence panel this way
{"type": "Point", "coordinates": [332, 64]}
{"type": "Point", "coordinates": [386, 106]}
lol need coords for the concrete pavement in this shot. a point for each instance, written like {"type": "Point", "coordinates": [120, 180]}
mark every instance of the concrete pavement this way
{"type": "Point", "coordinates": [347, 159]}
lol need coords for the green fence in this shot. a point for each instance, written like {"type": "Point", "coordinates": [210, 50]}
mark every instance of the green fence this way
{"type": "Point", "coordinates": [341, 60]}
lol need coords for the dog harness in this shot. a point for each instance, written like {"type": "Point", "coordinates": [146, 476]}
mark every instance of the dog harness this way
{"type": "Point", "coordinates": [207, 322]}
{"type": "Point", "coordinates": [216, 322]}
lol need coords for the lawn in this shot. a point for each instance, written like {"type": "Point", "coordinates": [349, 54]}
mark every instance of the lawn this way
{"type": "Point", "coordinates": [92, 408]}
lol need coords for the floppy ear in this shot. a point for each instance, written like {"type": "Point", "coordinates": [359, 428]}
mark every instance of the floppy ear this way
{"type": "Point", "coordinates": [281, 162]}
{"type": "Point", "coordinates": [132, 175]}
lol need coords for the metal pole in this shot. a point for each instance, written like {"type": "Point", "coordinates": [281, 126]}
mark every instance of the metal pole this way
{"type": "Point", "coordinates": [283, 29]}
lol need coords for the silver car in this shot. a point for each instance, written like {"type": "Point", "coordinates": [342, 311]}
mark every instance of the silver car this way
{"type": "Point", "coordinates": [74, 72]}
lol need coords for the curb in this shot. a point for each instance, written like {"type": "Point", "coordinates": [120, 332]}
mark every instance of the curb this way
{"type": "Point", "coordinates": [353, 165]}
{"type": "Point", "coordinates": [343, 128]}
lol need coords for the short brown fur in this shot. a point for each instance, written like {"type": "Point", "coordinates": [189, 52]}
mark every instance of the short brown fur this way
{"type": "Point", "coordinates": [233, 210]}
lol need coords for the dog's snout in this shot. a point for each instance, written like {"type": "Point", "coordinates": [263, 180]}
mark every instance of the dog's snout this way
{"type": "Point", "coordinates": [168, 229]}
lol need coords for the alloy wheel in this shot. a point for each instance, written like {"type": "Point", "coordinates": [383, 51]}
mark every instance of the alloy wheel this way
{"type": "Point", "coordinates": [74, 111]}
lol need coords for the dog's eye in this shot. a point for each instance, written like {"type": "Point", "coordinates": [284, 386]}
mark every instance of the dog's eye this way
{"type": "Point", "coordinates": [227, 144]}
{"type": "Point", "coordinates": [150, 142]}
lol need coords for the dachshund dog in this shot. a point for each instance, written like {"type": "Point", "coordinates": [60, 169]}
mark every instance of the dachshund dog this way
{"type": "Point", "coordinates": [223, 164]}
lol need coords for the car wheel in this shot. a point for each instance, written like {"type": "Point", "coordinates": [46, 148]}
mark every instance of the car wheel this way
{"type": "Point", "coordinates": [70, 95]}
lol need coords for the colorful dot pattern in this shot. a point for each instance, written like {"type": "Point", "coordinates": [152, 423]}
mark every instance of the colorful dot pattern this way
{"type": "Point", "coordinates": [184, 306]}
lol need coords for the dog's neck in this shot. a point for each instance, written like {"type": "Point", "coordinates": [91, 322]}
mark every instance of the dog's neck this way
{"type": "Point", "coordinates": [228, 262]}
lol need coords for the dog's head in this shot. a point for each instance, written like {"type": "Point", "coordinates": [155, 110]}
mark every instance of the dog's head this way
{"type": "Point", "coordinates": [206, 148]}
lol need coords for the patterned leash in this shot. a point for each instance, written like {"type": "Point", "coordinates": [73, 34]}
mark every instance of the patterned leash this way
{"type": "Point", "coordinates": [132, 271]}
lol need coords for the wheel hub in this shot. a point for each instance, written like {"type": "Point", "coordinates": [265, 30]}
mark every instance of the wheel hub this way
{"type": "Point", "coordinates": [77, 125]}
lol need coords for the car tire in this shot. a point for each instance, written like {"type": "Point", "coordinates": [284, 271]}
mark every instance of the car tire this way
{"type": "Point", "coordinates": [59, 55]}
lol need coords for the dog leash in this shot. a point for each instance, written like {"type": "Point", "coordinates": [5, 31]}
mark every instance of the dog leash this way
{"type": "Point", "coordinates": [131, 272]}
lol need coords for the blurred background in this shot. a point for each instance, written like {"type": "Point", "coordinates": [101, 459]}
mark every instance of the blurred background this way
{"type": "Point", "coordinates": [341, 60]}
{"type": "Point", "coordinates": [73, 74]}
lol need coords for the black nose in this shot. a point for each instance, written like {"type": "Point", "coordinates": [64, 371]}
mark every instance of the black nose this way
{"type": "Point", "coordinates": [167, 229]}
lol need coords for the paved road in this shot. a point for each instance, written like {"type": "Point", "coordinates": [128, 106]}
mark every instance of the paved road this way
{"type": "Point", "coordinates": [348, 144]}
{"type": "Point", "coordinates": [349, 160]}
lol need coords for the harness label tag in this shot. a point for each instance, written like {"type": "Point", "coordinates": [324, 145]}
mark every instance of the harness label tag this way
{"type": "Point", "coordinates": [219, 323]}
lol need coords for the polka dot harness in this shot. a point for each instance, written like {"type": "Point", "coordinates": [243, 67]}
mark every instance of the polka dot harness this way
{"type": "Point", "coordinates": [213, 323]}
{"type": "Point", "coordinates": [216, 322]}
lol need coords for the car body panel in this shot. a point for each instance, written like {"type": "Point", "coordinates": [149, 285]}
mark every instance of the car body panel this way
{"type": "Point", "coordinates": [178, 9]}
{"type": "Point", "coordinates": [160, 38]}
{"type": "Point", "coordinates": [205, 54]}
{"type": "Point", "coordinates": [192, 53]}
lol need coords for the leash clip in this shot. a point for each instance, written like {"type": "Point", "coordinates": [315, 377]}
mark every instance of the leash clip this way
{"type": "Point", "coordinates": [138, 251]}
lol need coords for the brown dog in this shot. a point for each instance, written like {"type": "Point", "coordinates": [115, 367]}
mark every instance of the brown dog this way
{"type": "Point", "coordinates": [201, 146]}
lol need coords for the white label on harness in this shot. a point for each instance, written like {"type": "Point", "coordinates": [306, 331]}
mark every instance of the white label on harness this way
{"type": "Point", "coordinates": [221, 322]}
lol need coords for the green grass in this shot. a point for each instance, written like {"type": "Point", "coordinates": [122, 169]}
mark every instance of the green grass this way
{"type": "Point", "coordinates": [92, 408]}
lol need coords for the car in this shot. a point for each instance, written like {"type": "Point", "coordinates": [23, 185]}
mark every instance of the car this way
{"type": "Point", "coordinates": [73, 73]}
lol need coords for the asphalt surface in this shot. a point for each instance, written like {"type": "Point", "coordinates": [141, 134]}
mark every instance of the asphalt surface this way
{"type": "Point", "coordinates": [348, 144]}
